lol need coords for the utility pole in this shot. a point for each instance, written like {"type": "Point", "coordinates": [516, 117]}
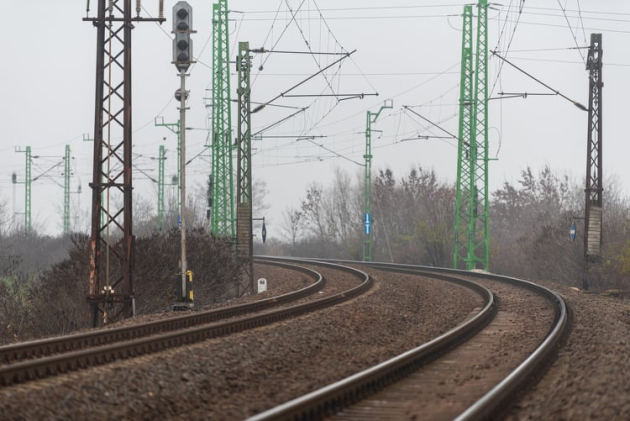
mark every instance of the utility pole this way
{"type": "Point", "coordinates": [183, 58]}
{"type": "Point", "coordinates": [67, 175]}
{"type": "Point", "coordinates": [367, 185]}
{"type": "Point", "coordinates": [111, 289]}
{"type": "Point", "coordinates": [27, 188]}
{"type": "Point", "coordinates": [244, 228]}
{"type": "Point", "coordinates": [471, 207]}
{"type": "Point", "coordinates": [160, 206]}
{"type": "Point", "coordinates": [594, 179]}
{"type": "Point", "coordinates": [177, 129]}
{"type": "Point", "coordinates": [222, 210]}
{"type": "Point", "coordinates": [66, 192]}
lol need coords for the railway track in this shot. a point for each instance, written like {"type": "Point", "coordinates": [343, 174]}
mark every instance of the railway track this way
{"type": "Point", "coordinates": [43, 358]}
{"type": "Point", "coordinates": [392, 389]}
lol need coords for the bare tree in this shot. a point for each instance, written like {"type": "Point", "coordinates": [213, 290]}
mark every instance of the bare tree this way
{"type": "Point", "coordinates": [292, 225]}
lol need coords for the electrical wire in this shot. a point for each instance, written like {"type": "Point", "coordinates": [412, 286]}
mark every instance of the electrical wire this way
{"type": "Point", "coordinates": [572, 33]}
{"type": "Point", "coordinates": [498, 76]}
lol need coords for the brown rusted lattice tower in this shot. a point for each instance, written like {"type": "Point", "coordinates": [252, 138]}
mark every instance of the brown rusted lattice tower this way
{"type": "Point", "coordinates": [111, 291]}
{"type": "Point", "coordinates": [594, 180]}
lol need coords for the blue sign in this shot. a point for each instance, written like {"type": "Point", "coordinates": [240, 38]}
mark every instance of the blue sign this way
{"type": "Point", "coordinates": [367, 223]}
{"type": "Point", "coordinates": [179, 221]}
{"type": "Point", "coordinates": [572, 231]}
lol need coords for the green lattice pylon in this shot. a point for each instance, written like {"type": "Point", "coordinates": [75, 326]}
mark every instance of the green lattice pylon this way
{"type": "Point", "coordinates": [27, 188]}
{"type": "Point", "coordinates": [471, 206]}
{"type": "Point", "coordinates": [222, 211]}
{"type": "Point", "coordinates": [160, 205]}
{"type": "Point", "coordinates": [66, 192]}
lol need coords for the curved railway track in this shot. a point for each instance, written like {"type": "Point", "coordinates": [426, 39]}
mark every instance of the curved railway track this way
{"type": "Point", "coordinates": [366, 388]}
{"type": "Point", "coordinates": [38, 359]}
{"type": "Point", "coordinates": [378, 392]}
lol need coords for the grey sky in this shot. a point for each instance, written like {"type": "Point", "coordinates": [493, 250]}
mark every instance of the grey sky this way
{"type": "Point", "coordinates": [408, 54]}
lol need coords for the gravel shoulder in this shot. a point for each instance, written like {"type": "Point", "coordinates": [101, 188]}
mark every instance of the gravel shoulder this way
{"type": "Point", "coordinates": [590, 378]}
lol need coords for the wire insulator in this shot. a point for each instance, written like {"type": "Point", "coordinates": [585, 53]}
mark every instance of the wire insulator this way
{"type": "Point", "coordinates": [138, 7]}
{"type": "Point", "coordinates": [161, 13]}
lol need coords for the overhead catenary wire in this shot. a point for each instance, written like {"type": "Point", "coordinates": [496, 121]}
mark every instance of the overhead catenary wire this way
{"type": "Point", "coordinates": [572, 33]}
{"type": "Point", "coordinates": [429, 121]}
{"type": "Point", "coordinates": [264, 104]}
{"type": "Point", "coordinates": [577, 104]}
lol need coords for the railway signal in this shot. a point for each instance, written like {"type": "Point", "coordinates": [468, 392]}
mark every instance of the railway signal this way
{"type": "Point", "coordinates": [182, 28]}
{"type": "Point", "coordinates": [182, 58]}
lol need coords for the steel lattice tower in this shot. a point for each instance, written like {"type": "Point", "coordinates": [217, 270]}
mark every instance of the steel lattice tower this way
{"type": "Point", "coordinates": [27, 188]}
{"type": "Point", "coordinates": [111, 291]}
{"type": "Point", "coordinates": [66, 192]}
{"type": "Point", "coordinates": [244, 237]}
{"type": "Point", "coordinates": [160, 205]}
{"type": "Point", "coordinates": [594, 179]}
{"type": "Point", "coordinates": [222, 221]}
{"type": "Point", "coordinates": [472, 201]}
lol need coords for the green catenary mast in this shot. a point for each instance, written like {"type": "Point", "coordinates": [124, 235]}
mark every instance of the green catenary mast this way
{"type": "Point", "coordinates": [66, 192]}
{"type": "Point", "coordinates": [367, 186]}
{"type": "Point", "coordinates": [175, 128]}
{"type": "Point", "coordinates": [27, 189]}
{"type": "Point", "coordinates": [160, 206]}
{"type": "Point", "coordinates": [471, 206]}
{"type": "Point", "coordinates": [222, 213]}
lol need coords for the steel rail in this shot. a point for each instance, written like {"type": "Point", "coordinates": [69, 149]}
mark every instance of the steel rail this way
{"type": "Point", "coordinates": [50, 346]}
{"type": "Point", "coordinates": [495, 399]}
{"type": "Point", "coordinates": [44, 367]}
{"type": "Point", "coordinates": [334, 397]}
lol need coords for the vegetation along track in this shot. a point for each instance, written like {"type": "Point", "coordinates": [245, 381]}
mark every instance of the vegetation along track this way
{"type": "Point", "coordinates": [458, 374]}
{"type": "Point", "coordinates": [37, 359]}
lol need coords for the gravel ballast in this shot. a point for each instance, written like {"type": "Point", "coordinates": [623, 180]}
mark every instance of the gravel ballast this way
{"type": "Point", "coordinates": [590, 378]}
{"type": "Point", "coordinates": [243, 374]}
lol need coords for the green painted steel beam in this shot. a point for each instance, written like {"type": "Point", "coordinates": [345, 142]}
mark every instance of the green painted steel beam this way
{"type": "Point", "coordinates": [471, 204]}
{"type": "Point", "coordinates": [367, 185]}
{"type": "Point", "coordinates": [27, 187]}
{"type": "Point", "coordinates": [222, 211]}
{"type": "Point", "coordinates": [175, 128]}
{"type": "Point", "coordinates": [160, 205]}
{"type": "Point", "coordinates": [466, 136]}
{"type": "Point", "coordinates": [27, 183]}
{"type": "Point", "coordinates": [66, 192]}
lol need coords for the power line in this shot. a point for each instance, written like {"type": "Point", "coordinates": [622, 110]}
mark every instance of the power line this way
{"type": "Point", "coordinates": [429, 121]}
{"type": "Point", "coordinates": [369, 8]}
{"type": "Point", "coordinates": [617, 31]}
{"type": "Point", "coordinates": [571, 29]}
{"type": "Point", "coordinates": [577, 104]}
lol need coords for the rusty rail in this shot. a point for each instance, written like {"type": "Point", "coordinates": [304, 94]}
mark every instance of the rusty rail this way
{"type": "Point", "coordinates": [51, 346]}
{"type": "Point", "coordinates": [184, 334]}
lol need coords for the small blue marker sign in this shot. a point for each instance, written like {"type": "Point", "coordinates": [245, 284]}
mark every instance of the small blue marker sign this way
{"type": "Point", "coordinates": [572, 231]}
{"type": "Point", "coordinates": [367, 220]}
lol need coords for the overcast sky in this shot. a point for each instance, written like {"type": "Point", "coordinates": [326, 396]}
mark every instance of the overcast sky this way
{"type": "Point", "coordinates": [407, 51]}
